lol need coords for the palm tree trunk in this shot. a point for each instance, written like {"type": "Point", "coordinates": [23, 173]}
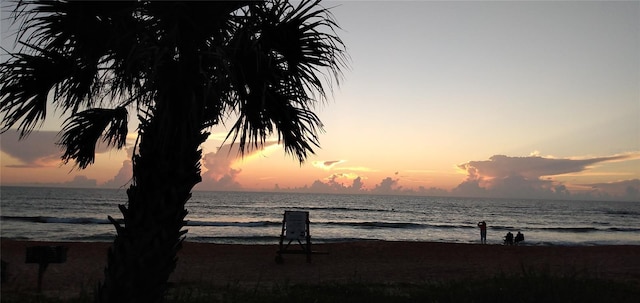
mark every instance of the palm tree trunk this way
{"type": "Point", "coordinates": [165, 169]}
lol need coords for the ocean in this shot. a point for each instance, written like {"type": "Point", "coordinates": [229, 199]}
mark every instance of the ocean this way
{"type": "Point", "coordinates": [67, 214]}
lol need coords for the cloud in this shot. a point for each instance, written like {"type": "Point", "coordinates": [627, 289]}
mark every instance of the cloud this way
{"type": "Point", "coordinates": [80, 181]}
{"type": "Point", "coordinates": [357, 184]}
{"type": "Point", "coordinates": [470, 188]}
{"type": "Point", "coordinates": [506, 176]}
{"type": "Point", "coordinates": [333, 165]}
{"type": "Point", "coordinates": [336, 183]}
{"type": "Point", "coordinates": [37, 150]}
{"type": "Point", "coordinates": [219, 174]}
{"type": "Point", "coordinates": [327, 165]}
{"type": "Point", "coordinates": [627, 189]}
{"type": "Point", "coordinates": [532, 167]}
{"type": "Point", "coordinates": [342, 177]}
{"type": "Point", "coordinates": [388, 185]}
{"type": "Point", "coordinates": [432, 191]}
{"type": "Point", "coordinates": [217, 166]}
{"type": "Point", "coordinates": [359, 169]}
{"type": "Point", "coordinates": [123, 177]}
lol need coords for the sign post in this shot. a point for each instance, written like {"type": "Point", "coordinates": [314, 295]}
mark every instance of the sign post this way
{"type": "Point", "coordinates": [43, 255]}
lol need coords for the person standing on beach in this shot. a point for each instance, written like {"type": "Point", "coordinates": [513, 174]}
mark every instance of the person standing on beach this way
{"type": "Point", "coordinates": [483, 232]}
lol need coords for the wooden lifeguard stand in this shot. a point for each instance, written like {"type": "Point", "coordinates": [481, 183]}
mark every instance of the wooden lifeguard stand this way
{"type": "Point", "coordinates": [295, 227]}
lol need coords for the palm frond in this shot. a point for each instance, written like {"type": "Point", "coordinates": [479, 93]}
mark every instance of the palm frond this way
{"type": "Point", "coordinates": [79, 55]}
{"type": "Point", "coordinates": [25, 83]}
{"type": "Point", "coordinates": [306, 41]}
{"type": "Point", "coordinates": [110, 43]}
{"type": "Point", "coordinates": [83, 130]}
{"type": "Point", "coordinates": [276, 58]}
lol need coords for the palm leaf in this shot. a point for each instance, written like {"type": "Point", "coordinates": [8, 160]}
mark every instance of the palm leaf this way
{"type": "Point", "coordinates": [83, 130]}
{"type": "Point", "coordinates": [275, 58]}
{"type": "Point", "coordinates": [25, 83]}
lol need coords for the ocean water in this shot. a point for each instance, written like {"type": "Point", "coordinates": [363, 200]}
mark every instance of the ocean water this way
{"type": "Point", "coordinates": [63, 214]}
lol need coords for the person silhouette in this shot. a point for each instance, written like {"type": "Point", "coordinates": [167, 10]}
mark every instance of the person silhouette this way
{"type": "Point", "coordinates": [483, 232]}
{"type": "Point", "coordinates": [508, 239]}
{"type": "Point", "coordinates": [519, 237]}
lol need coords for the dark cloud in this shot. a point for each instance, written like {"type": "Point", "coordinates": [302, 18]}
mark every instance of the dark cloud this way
{"type": "Point", "coordinates": [330, 163]}
{"type": "Point", "coordinates": [626, 190]}
{"type": "Point", "coordinates": [504, 176]}
{"type": "Point", "coordinates": [432, 191]}
{"type": "Point", "coordinates": [322, 187]}
{"type": "Point", "coordinates": [500, 166]}
{"type": "Point", "coordinates": [327, 164]}
{"type": "Point", "coordinates": [37, 150]}
{"type": "Point", "coordinates": [357, 184]}
{"type": "Point", "coordinates": [470, 188]}
{"type": "Point", "coordinates": [388, 185]}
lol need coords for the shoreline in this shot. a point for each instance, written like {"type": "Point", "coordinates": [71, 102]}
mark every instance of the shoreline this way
{"type": "Point", "coordinates": [317, 241]}
{"type": "Point", "coordinates": [254, 265]}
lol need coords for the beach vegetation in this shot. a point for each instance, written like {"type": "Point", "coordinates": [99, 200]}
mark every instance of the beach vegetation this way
{"type": "Point", "coordinates": [540, 287]}
{"type": "Point", "coordinates": [181, 68]}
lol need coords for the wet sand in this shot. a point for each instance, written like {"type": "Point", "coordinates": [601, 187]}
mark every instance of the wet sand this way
{"type": "Point", "coordinates": [367, 262]}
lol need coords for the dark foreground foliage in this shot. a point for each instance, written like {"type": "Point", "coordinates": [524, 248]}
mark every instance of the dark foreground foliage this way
{"type": "Point", "coordinates": [528, 288]}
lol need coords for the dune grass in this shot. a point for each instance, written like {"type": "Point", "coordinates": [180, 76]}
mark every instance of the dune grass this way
{"type": "Point", "coordinates": [527, 287]}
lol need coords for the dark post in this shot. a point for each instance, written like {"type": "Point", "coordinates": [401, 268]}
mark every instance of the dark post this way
{"type": "Point", "coordinates": [4, 273]}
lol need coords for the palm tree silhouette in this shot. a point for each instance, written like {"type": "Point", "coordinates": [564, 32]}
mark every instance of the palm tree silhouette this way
{"type": "Point", "coordinates": [183, 67]}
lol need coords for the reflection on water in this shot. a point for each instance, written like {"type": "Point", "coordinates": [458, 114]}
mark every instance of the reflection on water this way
{"type": "Point", "coordinates": [249, 217]}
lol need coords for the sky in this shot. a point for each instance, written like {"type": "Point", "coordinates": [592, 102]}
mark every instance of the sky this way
{"type": "Point", "coordinates": [505, 99]}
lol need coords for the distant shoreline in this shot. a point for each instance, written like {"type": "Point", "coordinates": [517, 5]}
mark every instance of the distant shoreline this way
{"type": "Point", "coordinates": [362, 261]}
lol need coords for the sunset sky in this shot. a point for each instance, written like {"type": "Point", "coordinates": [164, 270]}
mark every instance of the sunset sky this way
{"type": "Point", "coordinates": [495, 99]}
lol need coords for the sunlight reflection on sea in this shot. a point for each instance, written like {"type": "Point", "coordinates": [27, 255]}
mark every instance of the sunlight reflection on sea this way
{"type": "Point", "coordinates": [250, 217]}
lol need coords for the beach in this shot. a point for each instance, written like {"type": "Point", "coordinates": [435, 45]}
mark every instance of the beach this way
{"type": "Point", "coordinates": [363, 261]}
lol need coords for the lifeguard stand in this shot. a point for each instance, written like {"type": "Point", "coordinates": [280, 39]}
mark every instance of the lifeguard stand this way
{"type": "Point", "coordinates": [295, 227]}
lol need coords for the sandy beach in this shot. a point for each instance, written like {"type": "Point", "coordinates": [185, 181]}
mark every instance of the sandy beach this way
{"type": "Point", "coordinates": [369, 261]}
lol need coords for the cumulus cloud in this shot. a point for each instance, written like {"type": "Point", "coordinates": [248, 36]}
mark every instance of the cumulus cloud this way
{"type": "Point", "coordinates": [123, 177]}
{"type": "Point", "coordinates": [388, 185]}
{"type": "Point", "coordinates": [627, 189]}
{"type": "Point", "coordinates": [432, 191]}
{"type": "Point", "coordinates": [522, 176]}
{"type": "Point", "coordinates": [357, 184]}
{"type": "Point", "coordinates": [339, 183]}
{"type": "Point", "coordinates": [219, 174]}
